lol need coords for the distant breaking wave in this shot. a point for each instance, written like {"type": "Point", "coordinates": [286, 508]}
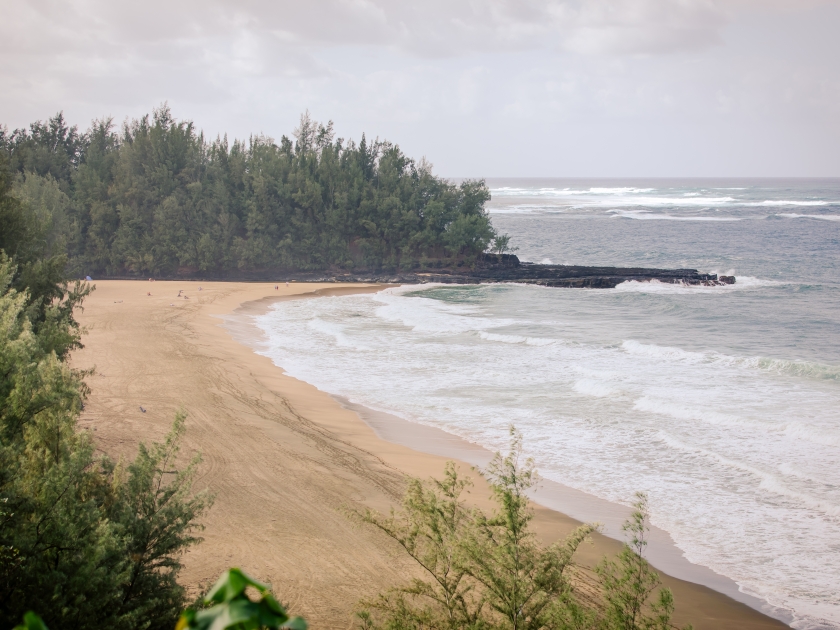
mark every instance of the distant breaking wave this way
{"type": "Point", "coordinates": [787, 202]}
{"type": "Point", "coordinates": [647, 215]}
{"type": "Point", "coordinates": [807, 369]}
{"type": "Point", "coordinates": [563, 199]}
{"type": "Point", "coordinates": [655, 286]}
{"type": "Point", "coordinates": [564, 192]}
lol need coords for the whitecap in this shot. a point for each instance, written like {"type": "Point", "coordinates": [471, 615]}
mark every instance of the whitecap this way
{"type": "Point", "coordinates": [666, 288]}
{"type": "Point", "coordinates": [647, 215]}
{"type": "Point", "coordinates": [535, 192]}
{"type": "Point", "coordinates": [433, 316]}
{"type": "Point", "coordinates": [590, 387]}
{"type": "Point", "coordinates": [531, 341]}
{"type": "Point", "coordinates": [685, 412]}
{"type": "Point", "coordinates": [787, 202]}
{"type": "Point", "coordinates": [619, 191]}
{"type": "Point", "coordinates": [669, 201]}
{"type": "Point", "coordinates": [631, 346]}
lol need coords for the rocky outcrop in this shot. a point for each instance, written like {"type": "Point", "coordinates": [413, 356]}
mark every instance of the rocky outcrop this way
{"type": "Point", "coordinates": [507, 268]}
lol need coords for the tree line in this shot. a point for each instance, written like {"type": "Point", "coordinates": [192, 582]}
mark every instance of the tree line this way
{"type": "Point", "coordinates": [154, 197]}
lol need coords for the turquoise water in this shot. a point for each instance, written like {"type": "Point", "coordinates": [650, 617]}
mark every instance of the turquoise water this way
{"type": "Point", "coordinates": [720, 402]}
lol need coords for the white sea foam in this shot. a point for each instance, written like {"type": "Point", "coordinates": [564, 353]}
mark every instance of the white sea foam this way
{"type": "Point", "coordinates": [687, 412]}
{"type": "Point", "coordinates": [634, 347]}
{"type": "Point", "coordinates": [619, 191]}
{"type": "Point", "coordinates": [531, 341]}
{"type": "Point", "coordinates": [817, 435]}
{"type": "Point", "coordinates": [564, 192]}
{"type": "Point", "coordinates": [437, 317]}
{"type": "Point", "coordinates": [595, 388]}
{"type": "Point", "coordinates": [671, 202]}
{"type": "Point", "coordinates": [665, 288]}
{"type": "Point", "coordinates": [335, 331]}
{"type": "Point", "coordinates": [789, 470]}
{"type": "Point", "coordinates": [767, 480]}
{"type": "Point", "coordinates": [787, 202]}
{"type": "Point", "coordinates": [738, 454]}
{"type": "Point", "coordinates": [532, 208]}
{"type": "Point", "coordinates": [647, 215]}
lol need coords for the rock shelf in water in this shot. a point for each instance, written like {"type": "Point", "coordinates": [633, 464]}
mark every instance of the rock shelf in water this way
{"type": "Point", "coordinates": [492, 268]}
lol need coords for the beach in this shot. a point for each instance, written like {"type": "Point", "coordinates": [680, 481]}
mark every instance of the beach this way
{"type": "Point", "coordinates": [286, 461]}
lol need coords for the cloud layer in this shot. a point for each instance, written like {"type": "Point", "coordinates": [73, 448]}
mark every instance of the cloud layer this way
{"type": "Point", "coordinates": [440, 75]}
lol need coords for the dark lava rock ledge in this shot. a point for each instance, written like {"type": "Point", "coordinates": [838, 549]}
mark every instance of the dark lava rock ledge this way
{"type": "Point", "coordinates": [491, 268]}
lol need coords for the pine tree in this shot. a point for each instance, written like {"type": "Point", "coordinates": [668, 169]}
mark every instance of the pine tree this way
{"type": "Point", "coordinates": [482, 571]}
{"type": "Point", "coordinates": [629, 582]}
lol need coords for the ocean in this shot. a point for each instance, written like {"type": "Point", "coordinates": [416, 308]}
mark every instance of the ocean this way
{"type": "Point", "coordinates": [721, 403]}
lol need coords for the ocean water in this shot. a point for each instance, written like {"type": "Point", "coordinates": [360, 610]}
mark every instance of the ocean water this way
{"type": "Point", "coordinates": [722, 403]}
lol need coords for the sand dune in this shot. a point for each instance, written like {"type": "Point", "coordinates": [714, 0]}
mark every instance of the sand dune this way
{"type": "Point", "coordinates": [284, 459]}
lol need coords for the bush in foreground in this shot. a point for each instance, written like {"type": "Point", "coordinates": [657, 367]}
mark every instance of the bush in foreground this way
{"type": "Point", "coordinates": [489, 571]}
{"type": "Point", "coordinates": [87, 542]}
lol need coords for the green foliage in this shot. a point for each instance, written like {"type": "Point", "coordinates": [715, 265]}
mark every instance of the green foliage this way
{"type": "Point", "coordinates": [31, 621]}
{"type": "Point", "coordinates": [155, 197]}
{"type": "Point", "coordinates": [488, 571]}
{"type": "Point", "coordinates": [230, 607]}
{"type": "Point", "coordinates": [430, 528]}
{"type": "Point", "coordinates": [523, 580]}
{"type": "Point", "coordinates": [483, 571]}
{"type": "Point", "coordinates": [501, 244]}
{"type": "Point", "coordinates": [85, 542]}
{"type": "Point", "coordinates": [33, 216]}
{"type": "Point", "coordinates": [629, 582]}
{"type": "Point", "coordinates": [157, 513]}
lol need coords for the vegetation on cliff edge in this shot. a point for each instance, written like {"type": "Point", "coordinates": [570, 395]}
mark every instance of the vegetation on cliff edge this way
{"type": "Point", "coordinates": [155, 197]}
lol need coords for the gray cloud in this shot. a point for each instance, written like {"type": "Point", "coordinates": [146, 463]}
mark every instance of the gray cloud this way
{"type": "Point", "coordinates": [494, 87]}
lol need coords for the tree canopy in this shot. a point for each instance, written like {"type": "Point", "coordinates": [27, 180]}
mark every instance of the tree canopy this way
{"type": "Point", "coordinates": [154, 197]}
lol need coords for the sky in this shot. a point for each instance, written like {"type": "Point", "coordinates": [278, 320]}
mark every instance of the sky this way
{"type": "Point", "coordinates": [517, 88]}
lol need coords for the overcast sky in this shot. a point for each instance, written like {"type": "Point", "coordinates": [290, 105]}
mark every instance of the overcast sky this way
{"type": "Point", "coordinates": [479, 87]}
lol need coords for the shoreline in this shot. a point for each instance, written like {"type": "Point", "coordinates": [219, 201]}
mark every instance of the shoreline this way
{"type": "Point", "coordinates": [284, 459]}
{"type": "Point", "coordinates": [662, 552]}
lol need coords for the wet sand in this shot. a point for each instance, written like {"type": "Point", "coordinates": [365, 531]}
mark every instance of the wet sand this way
{"type": "Point", "coordinates": [284, 459]}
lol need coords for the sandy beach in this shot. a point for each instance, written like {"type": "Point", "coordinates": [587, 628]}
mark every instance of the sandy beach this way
{"type": "Point", "coordinates": [285, 460]}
